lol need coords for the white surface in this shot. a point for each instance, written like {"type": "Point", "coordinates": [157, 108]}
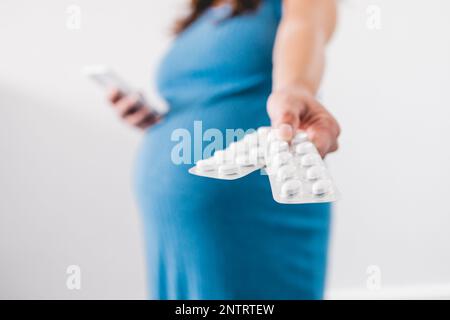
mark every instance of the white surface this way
{"type": "Point", "coordinates": [403, 292]}
{"type": "Point", "coordinates": [66, 161]}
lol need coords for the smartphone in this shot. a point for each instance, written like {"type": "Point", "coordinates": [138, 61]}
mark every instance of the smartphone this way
{"type": "Point", "coordinates": [107, 78]}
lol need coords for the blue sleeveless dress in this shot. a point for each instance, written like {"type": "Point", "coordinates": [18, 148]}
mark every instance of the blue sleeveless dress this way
{"type": "Point", "coordinates": [215, 239]}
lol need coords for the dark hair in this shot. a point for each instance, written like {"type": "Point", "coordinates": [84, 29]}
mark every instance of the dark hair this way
{"type": "Point", "coordinates": [198, 7]}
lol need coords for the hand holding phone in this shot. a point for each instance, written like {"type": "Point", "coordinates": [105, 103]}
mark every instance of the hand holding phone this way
{"type": "Point", "coordinates": [130, 105]}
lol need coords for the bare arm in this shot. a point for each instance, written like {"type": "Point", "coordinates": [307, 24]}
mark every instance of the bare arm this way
{"type": "Point", "coordinates": [299, 56]}
{"type": "Point", "coordinates": [299, 52]}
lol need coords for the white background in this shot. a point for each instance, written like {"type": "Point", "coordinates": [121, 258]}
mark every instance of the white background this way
{"type": "Point", "coordinates": [66, 161]}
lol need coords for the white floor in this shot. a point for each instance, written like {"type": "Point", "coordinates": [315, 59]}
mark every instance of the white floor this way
{"type": "Point", "coordinates": [431, 291]}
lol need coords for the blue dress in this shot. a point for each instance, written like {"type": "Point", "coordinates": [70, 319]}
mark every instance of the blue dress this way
{"type": "Point", "coordinates": [215, 239]}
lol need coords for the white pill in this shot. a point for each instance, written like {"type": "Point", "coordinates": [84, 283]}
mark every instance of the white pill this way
{"type": "Point", "coordinates": [263, 131]}
{"type": "Point", "coordinates": [286, 172]}
{"type": "Point", "coordinates": [257, 152]}
{"type": "Point", "coordinates": [315, 172]}
{"type": "Point", "coordinates": [278, 146]}
{"type": "Point", "coordinates": [262, 142]}
{"type": "Point", "coordinates": [232, 147]}
{"type": "Point", "coordinates": [205, 165]}
{"type": "Point", "coordinates": [244, 161]}
{"type": "Point", "coordinates": [300, 137]}
{"type": "Point", "coordinates": [310, 159]}
{"type": "Point", "coordinates": [304, 148]}
{"type": "Point", "coordinates": [219, 157]}
{"type": "Point", "coordinates": [290, 188]}
{"type": "Point", "coordinates": [236, 148]}
{"type": "Point", "coordinates": [280, 159]}
{"type": "Point", "coordinates": [272, 136]}
{"type": "Point", "coordinates": [251, 140]}
{"type": "Point", "coordinates": [242, 147]}
{"type": "Point", "coordinates": [228, 169]}
{"type": "Point", "coordinates": [256, 155]}
{"type": "Point", "coordinates": [321, 187]}
{"type": "Point", "coordinates": [231, 152]}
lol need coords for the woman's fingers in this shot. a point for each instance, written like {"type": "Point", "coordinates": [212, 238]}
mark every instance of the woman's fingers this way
{"type": "Point", "coordinates": [128, 105]}
{"type": "Point", "coordinates": [291, 110]}
{"type": "Point", "coordinates": [124, 104]}
{"type": "Point", "coordinates": [321, 139]}
{"type": "Point", "coordinates": [323, 130]}
{"type": "Point", "coordinates": [114, 95]}
{"type": "Point", "coordinates": [148, 121]}
{"type": "Point", "coordinates": [137, 117]}
{"type": "Point", "coordinates": [132, 109]}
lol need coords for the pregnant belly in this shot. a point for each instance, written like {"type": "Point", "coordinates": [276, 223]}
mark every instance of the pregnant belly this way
{"type": "Point", "coordinates": [230, 227]}
{"type": "Point", "coordinates": [161, 174]}
{"type": "Point", "coordinates": [187, 135]}
{"type": "Point", "coordinates": [178, 207]}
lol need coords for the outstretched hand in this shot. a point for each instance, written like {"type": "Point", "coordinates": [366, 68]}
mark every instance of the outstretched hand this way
{"type": "Point", "coordinates": [293, 109]}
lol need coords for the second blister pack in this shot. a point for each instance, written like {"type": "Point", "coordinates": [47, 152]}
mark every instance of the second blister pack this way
{"type": "Point", "coordinates": [238, 160]}
{"type": "Point", "coordinates": [297, 172]}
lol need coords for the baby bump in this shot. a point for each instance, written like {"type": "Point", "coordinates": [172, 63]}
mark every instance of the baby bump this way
{"type": "Point", "coordinates": [231, 230]}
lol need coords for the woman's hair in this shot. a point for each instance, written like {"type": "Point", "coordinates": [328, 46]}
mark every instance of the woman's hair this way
{"type": "Point", "coordinates": [198, 7]}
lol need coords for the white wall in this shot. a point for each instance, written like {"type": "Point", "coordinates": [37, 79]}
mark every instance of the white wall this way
{"type": "Point", "coordinates": [66, 161]}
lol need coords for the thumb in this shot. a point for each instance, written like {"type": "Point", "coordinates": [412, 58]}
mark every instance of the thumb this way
{"type": "Point", "coordinates": [285, 131]}
{"type": "Point", "coordinates": [285, 117]}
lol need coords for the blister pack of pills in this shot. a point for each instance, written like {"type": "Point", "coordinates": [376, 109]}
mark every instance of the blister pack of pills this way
{"type": "Point", "coordinates": [296, 172]}
{"type": "Point", "coordinates": [238, 160]}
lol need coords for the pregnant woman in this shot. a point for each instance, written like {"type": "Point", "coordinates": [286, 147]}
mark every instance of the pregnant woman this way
{"type": "Point", "coordinates": [234, 64]}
